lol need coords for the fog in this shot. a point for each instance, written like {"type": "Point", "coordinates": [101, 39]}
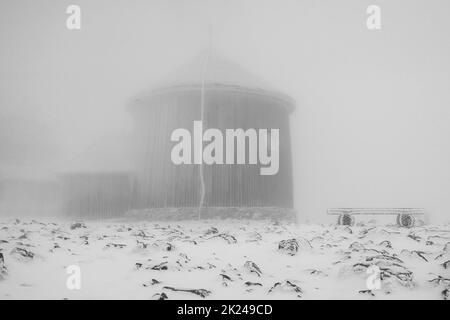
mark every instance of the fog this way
{"type": "Point", "coordinates": [371, 127]}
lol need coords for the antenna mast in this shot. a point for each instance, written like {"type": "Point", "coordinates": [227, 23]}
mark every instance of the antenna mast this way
{"type": "Point", "coordinates": [203, 110]}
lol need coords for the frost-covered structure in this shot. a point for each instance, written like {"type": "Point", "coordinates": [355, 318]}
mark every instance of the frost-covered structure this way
{"type": "Point", "coordinates": [222, 95]}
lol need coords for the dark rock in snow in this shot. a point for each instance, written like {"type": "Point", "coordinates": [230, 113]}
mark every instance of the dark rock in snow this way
{"type": "Point", "coordinates": [23, 253]}
{"type": "Point", "coordinates": [357, 246]}
{"type": "Point", "coordinates": [23, 236]}
{"type": "Point", "coordinates": [254, 237]}
{"type": "Point", "coordinates": [169, 247]}
{"type": "Point", "coordinates": [347, 229]}
{"type": "Point", "coordinates": [141, 234]}
{"type": "Point", "coordinates": [360, 267]}
{"type": "Point", "coordinates": [414, 237]}
{"type": "Point", "coordinates": [141, 244]}
{"type": "Point", "coordinates": [289, 246]}
{"type": "Point", "coordinates": [404, 278]}
{"type": "Point", "coordinates": [211, 231]}
{"type": "Point", "coordinates": [185, 257]}
{"type": "Point", "coordinates": [77, 225]}
{"type": "Point", "coordinates": [159, 267]}
{"type": "Point", "coordinates": [249, 284]}
{"type": "Point", "coordinates": [386, 244]}
{"type": "Point", "coordinates": [151, 283]}
{"type": "Point", "coordinates": [292, 246]}
{"type": "Point", "coordinates": [420, 254]}
{"type": "Point", "coordinates": [253, 268]}
{"type": "Point", "coordinates": [385, 257]}
{"type": "Point", "coordinates": [287, 285]}
{"type": "Point", "coordinates": [200, 292]}
{"type": "Point", "coordinates": [225, 277]}
{"type": "Point", "coordinates": [414, 253]}
{"type": "Point", "coordinates": [116, 245]}
{"type": "Point", "coordinates": [160, 296]}
{"type": "Point", "coordinates": [440, 280]}
{"type": "Point", "coordinates": [227, 237]}
{"type": "Point", "coordinates": [3, 269]}
{"type": "Point", "coordinates": [369, 292]}
{"type": "Point", "coordinates": [316, 272]}
{"type": "Point", "coordinates": [446, 248]}
{"type": "Point", "coordinates": [446, 294]}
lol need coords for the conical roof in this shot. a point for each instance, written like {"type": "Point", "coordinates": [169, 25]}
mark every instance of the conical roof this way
{"type": "Point", "coordinates": [215, 69]}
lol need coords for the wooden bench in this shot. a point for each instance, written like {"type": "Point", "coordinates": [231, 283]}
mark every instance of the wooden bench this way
{"type": "Point", "coordinates": [405, 216]}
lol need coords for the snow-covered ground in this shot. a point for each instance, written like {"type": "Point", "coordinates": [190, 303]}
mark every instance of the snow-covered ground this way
{"type": "Point", "coordinates": [222, 259]}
